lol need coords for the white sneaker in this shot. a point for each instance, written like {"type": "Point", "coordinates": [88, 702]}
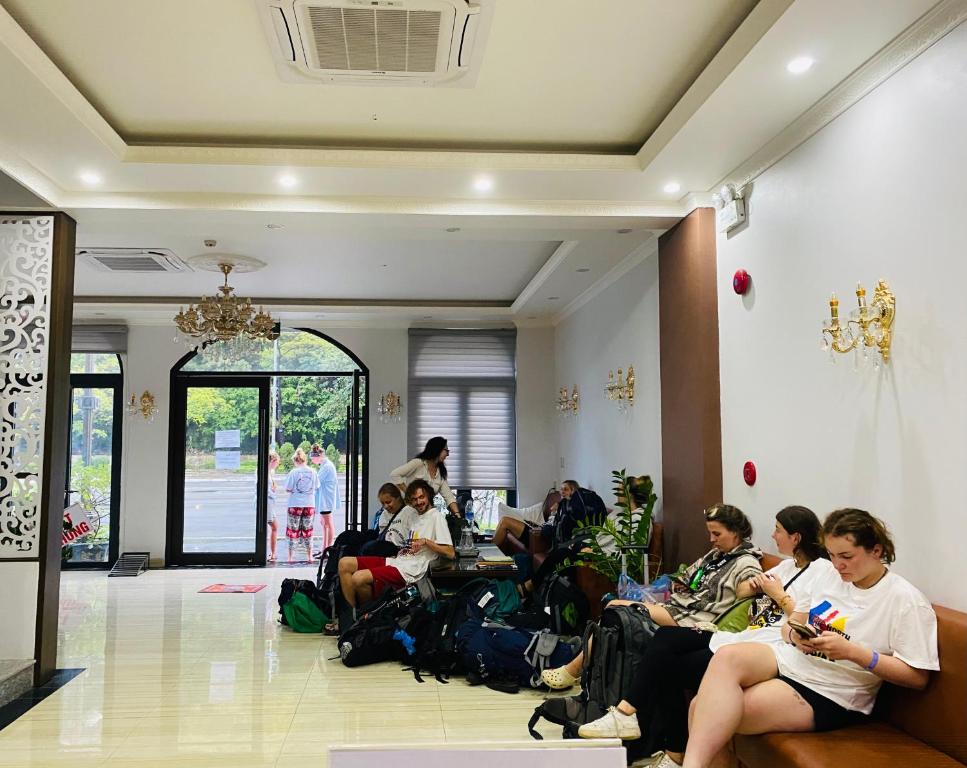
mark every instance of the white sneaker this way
{"type": "Point", "coordinates": [665, 762]}
{"type": "Point", "coordinates": [614, 724]}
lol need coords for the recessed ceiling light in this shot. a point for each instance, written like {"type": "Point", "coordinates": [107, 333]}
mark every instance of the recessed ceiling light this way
{"type": "Point", "coordinates": [90, 178]}
{"type": "Point", "coordinates": [582, 269]}
{"type": "Point", "coordinates": [483, 183]}
{"type": "Point", "coordinates": [275, 226]}
{"type": "Point", "coordinates": [384, 265]}
{"type": "Point", "coordinates": [453, 229]}
{"type": "Point", "coordinates": [624, 231]}
{"type": "Point", "coordinates": [672, 187]}
{"type": "Point", "coordinates": [287, 180]}
{"type": "Point", "coordinates": [553, 298]}
{"type": "Point", "coordinates": [800, 64]}
{"type": "Point", "coordinates": [427, 317]}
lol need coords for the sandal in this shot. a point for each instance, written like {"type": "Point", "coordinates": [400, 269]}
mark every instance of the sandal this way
{"type": "Point", "coordinates": [332, 628]}
{"type": "Point", "coordinates": [558, 679]}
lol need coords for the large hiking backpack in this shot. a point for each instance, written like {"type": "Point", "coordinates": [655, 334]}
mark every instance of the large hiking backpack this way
{"type": "Point", "coordinates": [346, 544]}
{"type": "Point", "coordinates": [431, 630]}
{"type": "Point", "coordinates": [612, 652]}
{"type": "Point", "coordinates": [557, 605]}
{"type": "Point", "coordinates": [501, 654]}
{"type": "Point", "coordinates": [302, 606]}
{"type": "Point", "coordinates": [493, 600]}
{"type": "Point", "coordinates": [370, 639]}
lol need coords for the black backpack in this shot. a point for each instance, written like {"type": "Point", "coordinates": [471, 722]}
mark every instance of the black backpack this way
{"type": "Point", "coordinates": [557, 605]}
{"type": "Point", "coordinates": [370, 639]}
{"type": "Point", "coordinates": [612, 652]}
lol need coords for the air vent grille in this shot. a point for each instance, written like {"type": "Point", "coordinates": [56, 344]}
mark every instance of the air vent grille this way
{"type": "Point", "coordinates": [373, 40]}
{"type": "Point", "coordinates": [142, 260]}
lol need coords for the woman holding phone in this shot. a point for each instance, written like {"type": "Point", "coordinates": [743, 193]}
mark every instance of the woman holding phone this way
{"type": "Point", "coordinates": [873, 626]}
{"type": "Point", "coordinates": [676, 659]}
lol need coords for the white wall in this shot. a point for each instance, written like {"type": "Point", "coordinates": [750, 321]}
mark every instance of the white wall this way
{"type": "Point", "coordinates": [18, 606]}
{"type": "Point", "coordinates": [879, 193]}
{"type": "Point", "coordinates": [616, 328]}
{"type": "Point", "coordinates": [152, 352]}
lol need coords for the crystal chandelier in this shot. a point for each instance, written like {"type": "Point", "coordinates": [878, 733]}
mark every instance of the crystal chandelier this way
{"type": "Point", "coordinates": [224, 317]}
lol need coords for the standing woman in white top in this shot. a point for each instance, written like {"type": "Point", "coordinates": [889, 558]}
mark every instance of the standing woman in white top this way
{"type": "Point", "coordinates": [428, 465]}
{"type": "Point", "coordinates": [872, 625]}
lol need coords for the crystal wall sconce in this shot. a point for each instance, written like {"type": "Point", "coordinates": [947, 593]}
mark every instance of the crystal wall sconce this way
{"type": "Point", "coordinates": [567, 405]}
{"type": "Point", "coordinates": [143, 405]}
{"type": "Point", "coordinates": [389, 408]}
{"type": "Point", "coordinates": [869, 328]}
{"type": "Point", "coordinates": [621, 390]}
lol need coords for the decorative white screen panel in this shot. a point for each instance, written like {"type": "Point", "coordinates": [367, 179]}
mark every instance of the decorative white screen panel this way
{"type": "Point", "coordinates": [26, 246]}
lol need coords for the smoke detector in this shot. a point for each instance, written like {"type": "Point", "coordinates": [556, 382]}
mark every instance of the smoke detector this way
{"type": "Point", "coordinates": [377, 42]}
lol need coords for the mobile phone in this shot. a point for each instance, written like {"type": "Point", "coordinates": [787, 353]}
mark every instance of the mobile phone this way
{"type": "Point", "coordinates": [805, 631]}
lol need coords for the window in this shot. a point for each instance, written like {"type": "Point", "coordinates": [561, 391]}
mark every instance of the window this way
{"type": "Point", "coordinates": [462, 385]}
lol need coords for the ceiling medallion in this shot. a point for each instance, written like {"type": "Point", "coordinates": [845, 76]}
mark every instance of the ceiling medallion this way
{"type": "Point", "coordinates": [224, 317]}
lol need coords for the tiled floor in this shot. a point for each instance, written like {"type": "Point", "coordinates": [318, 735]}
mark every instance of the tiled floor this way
{"type": "Point", "coordinates": [177, 678]}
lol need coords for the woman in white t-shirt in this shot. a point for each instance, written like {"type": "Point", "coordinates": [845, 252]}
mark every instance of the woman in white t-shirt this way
{"type": "Point", "coordinates": [872, 626]}
{"type": "Point", "coordinates": [429, 466]}
{"type": "Point", "coordinates": [301, 484]}
{"type": "Point", "coordinates": [677, 657]}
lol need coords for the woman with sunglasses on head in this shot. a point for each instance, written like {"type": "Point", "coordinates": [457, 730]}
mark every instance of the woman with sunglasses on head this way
{"type": "Point", "coordinates": [709, 587]}
{"type": "Point", "coordinates": [676, 658]}
{"type": "Point", "coordinates": [865, 625]}
{"type": "Point", "coordinates": [428, 465]}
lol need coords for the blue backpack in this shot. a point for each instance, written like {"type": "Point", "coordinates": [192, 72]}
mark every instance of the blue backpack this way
{"type": "Point", "coordinates": [499, 654]}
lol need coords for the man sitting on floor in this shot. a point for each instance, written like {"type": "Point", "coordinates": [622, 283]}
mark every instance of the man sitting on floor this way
{"type": "Point", "coordinates": [363, 578]}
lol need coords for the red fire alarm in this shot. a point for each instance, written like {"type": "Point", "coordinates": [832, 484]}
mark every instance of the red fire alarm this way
{"type": "Point", "coordinates": [748, 473]}
{"type": "Point", "coordinates": [740, 282]}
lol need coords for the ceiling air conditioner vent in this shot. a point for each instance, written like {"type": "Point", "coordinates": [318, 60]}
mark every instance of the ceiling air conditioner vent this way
{"type": "Point", "coordinates": [133, 259]}
{"type": "Point", "coordinates": [377, 42]}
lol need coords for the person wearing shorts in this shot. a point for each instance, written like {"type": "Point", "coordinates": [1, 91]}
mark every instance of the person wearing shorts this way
{"type": "Point", "coordinates": [363, 578]}
{"type": "Point", "coordinates": [273, 526]}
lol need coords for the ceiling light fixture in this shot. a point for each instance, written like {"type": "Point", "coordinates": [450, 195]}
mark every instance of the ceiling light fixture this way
{"type": "Point", "coordinates": [624, 231]}
{"type": "Point", "coordinates": [453, 229]}
{"type": "Point", "coordinates": [90, 178]}
{"type": "Point", "coordinates": [483, 183]}
{"type": "Point", "coordinates": [275, 226]}
{"type": "Point", "coordinates": [287, 180]}
{"type": "Point", "coordinates": [672, 187]}
{"type": "Point", "coordinates": [582, 269]}
{"type": "Point", "coordinates": [225, 317]}
{"type": "Point", "coordinates": [800, 64]}
{"type": "Point", "coordinates": [553, 298]}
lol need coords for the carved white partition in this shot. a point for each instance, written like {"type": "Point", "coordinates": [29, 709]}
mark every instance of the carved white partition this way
{"type": "Point", "coordinates": [26, 246]}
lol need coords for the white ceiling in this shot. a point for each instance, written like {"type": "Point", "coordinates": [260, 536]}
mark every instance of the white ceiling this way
{"type": "Point", "coordinates": [586, 110]}
{"type": "Point", "coordinates": [190, 71]}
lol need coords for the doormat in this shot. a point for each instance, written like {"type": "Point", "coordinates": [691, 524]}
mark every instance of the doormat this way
{"type": "Point", "coordinates": [235, 588]}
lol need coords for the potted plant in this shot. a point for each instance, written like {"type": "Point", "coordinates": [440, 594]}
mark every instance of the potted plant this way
{"type": "Point", "coordinates": [626, 529]}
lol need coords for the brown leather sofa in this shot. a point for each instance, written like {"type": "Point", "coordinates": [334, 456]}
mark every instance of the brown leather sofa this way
{"type": "Point", "coordinates": [910, 728]}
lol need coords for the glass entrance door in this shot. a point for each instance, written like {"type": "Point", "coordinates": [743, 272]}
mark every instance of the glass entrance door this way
{"type": "Point", "coordinates": [93, 471]}
{"type": "Point", "coordinates": [219, 474]}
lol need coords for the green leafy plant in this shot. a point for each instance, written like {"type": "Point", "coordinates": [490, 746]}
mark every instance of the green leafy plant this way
{"type": "Point", "coordinates": [285, 457]}
{"type": "Point", "coordinates": [621, 527]}
{"type": "Point", "coordinates": [332, 453]}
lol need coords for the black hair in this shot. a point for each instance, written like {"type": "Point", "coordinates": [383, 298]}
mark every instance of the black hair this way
{"type": "Point", "coordinates": [389, 489]}
{"type": "Point", "coordinates": [802, 520]}
{"type": "Point", "coordinates": [865, 531]}
{"type": "Point", "coordinates": [434, 447]}
{"type": "Point", "coordinates": [419, 485]}
{"type": "Point", "coordinates": [732, 518]}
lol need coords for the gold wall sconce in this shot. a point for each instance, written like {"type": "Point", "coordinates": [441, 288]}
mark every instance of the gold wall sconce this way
{"type": "Point", "coordinates": [390, 407]}
{"type": "Point", "coordinates": [621, 390]}
{"type": "Point", "coordinates": [870, 326]}
{"type": "Point", "coordinates": [143, 405]}
{"type": "Point", "coordinates": [567, 405]}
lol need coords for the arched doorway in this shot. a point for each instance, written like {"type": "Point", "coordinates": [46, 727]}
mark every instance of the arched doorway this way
{"type": "Point", "coordinates": [230, 405]}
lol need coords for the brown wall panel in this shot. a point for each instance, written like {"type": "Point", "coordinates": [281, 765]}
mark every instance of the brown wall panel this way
{"type": "Point", "coordinates": [691, 425]}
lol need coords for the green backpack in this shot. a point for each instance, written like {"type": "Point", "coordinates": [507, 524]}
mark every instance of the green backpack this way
{"type": "Point", "coordinates": [498, 599]}
{"type": "Point", "coordinates": [303, 615]}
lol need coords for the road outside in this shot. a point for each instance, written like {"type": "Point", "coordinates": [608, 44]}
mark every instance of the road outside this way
{"type": "Point", "coordinates": [220, 514]}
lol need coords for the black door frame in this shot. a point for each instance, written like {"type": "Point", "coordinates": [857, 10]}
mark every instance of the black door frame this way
{"type": "Point", "coordinates": [174, 546]}
{"type": "Point", "coordinates": [176, 444]}
{"type": "Point", "coordinates": [114, 382]}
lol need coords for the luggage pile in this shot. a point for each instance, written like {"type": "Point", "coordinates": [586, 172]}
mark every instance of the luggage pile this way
{"type": "Point", "coordinates": [482, 631]}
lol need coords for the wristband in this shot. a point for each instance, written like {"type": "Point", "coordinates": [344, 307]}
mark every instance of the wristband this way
{"type": "Point", "coordinates": [873, 662]}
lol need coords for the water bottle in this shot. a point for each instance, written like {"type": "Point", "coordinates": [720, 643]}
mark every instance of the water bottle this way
{"type": "Point", "coordinates": [468, 513]}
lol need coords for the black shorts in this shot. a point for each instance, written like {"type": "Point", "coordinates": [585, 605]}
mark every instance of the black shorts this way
{"type": "Point", "coordinates": [827, 714]}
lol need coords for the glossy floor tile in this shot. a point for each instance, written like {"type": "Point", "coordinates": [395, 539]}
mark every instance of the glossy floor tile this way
{"type": "Point", "coordinates": [177, 678]}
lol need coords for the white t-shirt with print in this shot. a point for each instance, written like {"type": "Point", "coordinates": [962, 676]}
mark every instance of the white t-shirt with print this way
{"type": "Point", "coordinates": [770, 626]}
{"type": "Point", "coordinates": [398, 531]}
{"type": "Point", "coordinates": [892, 617]}
{"type": "Point", "coordinates": [430, 525]}
{"type": "Point", "coordinates": [301, 484]}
